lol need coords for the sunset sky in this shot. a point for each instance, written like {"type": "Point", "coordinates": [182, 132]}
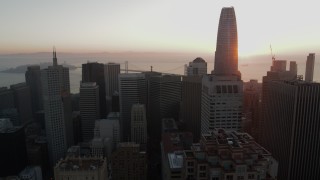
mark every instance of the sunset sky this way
{"type": "Point", "coordinates": [156, 26]}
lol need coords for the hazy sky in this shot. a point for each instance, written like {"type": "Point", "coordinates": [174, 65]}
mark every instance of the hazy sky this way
{"type": "Point", "coordinates": [161, 26]}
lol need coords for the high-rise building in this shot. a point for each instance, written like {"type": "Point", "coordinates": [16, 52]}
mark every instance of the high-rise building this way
{"type": "Point", "coordinates": [13, 151]}
{"type": "Point", "coordinates": [33, 80]}
{"type": "Point", "coordinates": [108, 129]}
{"type": "Point", "coordinates": [7, 100]}
{"type": "Point", "coordinates": [164, 101]}
{"type": "Point", "coordinates": [89, 108]}
{"type": "Point", "coordinates": [132, 90]}
{"type": "Point", "coordinates": [82, 168]}
{"type": "Point", "coordinates": [138, 124]}
{"type": "Point", "coordinates": [310, 67]}
{"type": "Point", "coordinates": [111, 75]}
{"type": "Point", "coordinates": [277, 72]}
{"type": "Point", "coordinates": [22, 101]}
{"type": "Point", "coordinates": [191, 104]}
{"type": "Point", "coordinates": [251, 107]}
{"type": "Point", "coordinates": [221, 103]}
{"type": "Point", "coordinates": [291, 127]}
{"type": "Point", "coordinates": [196, 68]}
{"type": "Point", "coordinates": [56, 90]}
{"type": "Point", "coordinates": [128, 162]}
{"type": "Point", "coordinates": [226, 55]}
{"type": "Point", "coordinates": [94, 72]}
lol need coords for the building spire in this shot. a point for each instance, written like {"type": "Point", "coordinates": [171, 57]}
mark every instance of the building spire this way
{"type": "Point", "coordinates": [55, 60]}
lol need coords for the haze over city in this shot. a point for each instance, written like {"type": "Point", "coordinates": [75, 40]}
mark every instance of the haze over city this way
{"type": "Point", "coordinates": [155, 26]}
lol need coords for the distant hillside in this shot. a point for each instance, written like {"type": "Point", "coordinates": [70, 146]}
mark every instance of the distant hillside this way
{"type": "Point", "coordinates": [23, 68]}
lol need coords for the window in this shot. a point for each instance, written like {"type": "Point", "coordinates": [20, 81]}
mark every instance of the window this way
{"type": "Point", "coordinates": [240, 178]}
{"type": "Point", "coordinates": [250, 176]}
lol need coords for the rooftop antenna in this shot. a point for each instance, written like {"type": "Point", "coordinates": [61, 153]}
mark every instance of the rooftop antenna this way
{"type": "Point", "coordinates": [272, 55]}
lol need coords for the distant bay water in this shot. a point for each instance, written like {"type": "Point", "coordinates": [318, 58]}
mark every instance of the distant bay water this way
{"type": "Point", "coordinates": [250, 68]}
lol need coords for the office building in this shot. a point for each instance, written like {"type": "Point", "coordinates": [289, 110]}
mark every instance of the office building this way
{"type": "Point", "coordinates": [290, 130]}
{"type": "Point", "coordinates": [94, 72]}
{"type": "Point", "coordinates": [226, 55]}
{"type": "Point", "coordinates": [33, 80]}
{"type": "Point", "coordinates": [132, 90]}
{"type": "Point", "coordinates": [128, 162]}
{"type": "Point", "coordinates": [22, 101]}
{"type": "Point", "coordinates": [81, 168]}
{"type": "Point", "coordinates": [277, 72]}
{"type": "Point", "coordinates": [172, 146]}
{"type": "Point", "coordinates": [221, 103]}
{"type": "Point", "coordinates": [139, 124]}
{"type": "Point", "coordinates": [111, 74]}
{"type": "Point", "coordinates": [106, 135]}
{"type": "Point", "coordinates": [251, 106]}
{"type": "Point", "coordinates": [56, 95]}
{"type": "Point", "coordinates": [191, 104]}
{"type": "Point", "coordinates": [13, 151]}
{"type": "Point", "coordinates": [197, 67]}
{"type": "Point", "coordinates": [164, 101]}
{"type": "Point", "coordinates": [222, 155]}
{"type": "Point", "coordinates": [310, 67]}
{"type": "Point", "coordinates": [89, 108]}
{"type": "Point", "coordinates": [7, 99]}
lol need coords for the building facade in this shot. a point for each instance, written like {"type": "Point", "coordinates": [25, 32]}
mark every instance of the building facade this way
{"type": "Point", "coordinates": [132, 90]}
{"type": "Point", "coordinates": [290, 130]}
{"type": "Point", "coordinates": [94, 72]}
{"type": "Point", "coordinates": [33, 80]}
{"type": "Point", "coordinates": [89, 109]}
{"type": "Point", "coordinates": [226, 55]}
{"type": "Point", "coordinates": [129, 163]}
{"type": "Point", "coordinates": [221, 103]}
{"type": "Point", "coordinates": [139, 124]}
{"type": "Point", "coordinates": [197, 67]}
{"type": "Point", "coordinates": [310, 67]}
{"type": "Point", "coordinates": [56, 90]}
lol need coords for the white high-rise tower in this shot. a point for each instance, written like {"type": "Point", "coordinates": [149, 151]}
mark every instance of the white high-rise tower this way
{"type": "Point", "coordinates": [56, 90]}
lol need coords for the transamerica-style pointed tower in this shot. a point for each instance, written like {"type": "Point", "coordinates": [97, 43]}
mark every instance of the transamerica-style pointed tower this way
{"type": "Point", "coordinates": [226, 55]}
{"type": "Point", "coordinates": [55, 60]}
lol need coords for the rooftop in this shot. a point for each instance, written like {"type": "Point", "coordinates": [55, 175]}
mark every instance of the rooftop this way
{"type": "Point", "coordinates": [80, 164]}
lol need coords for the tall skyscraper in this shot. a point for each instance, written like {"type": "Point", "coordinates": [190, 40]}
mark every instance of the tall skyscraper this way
{"type": "Point", "coordinates": [56, 89]}
{"type": "Point", "coordinates": [222, 92]}
{"type": "Point", "coordinates": [277, 72]}
{"type": "Point", "coordinates": [22, 101]}
{"type": "Point", "coordinates": [132, 90]}
{"type": "Point", "coordinates": [139, 124]}
{"type": "Point", "coordinates": [310, 67]}
{"type": "Point", "coordinates": [94, 72]}
{"type": "Point", "coordinates": [164, 101]}
{"type": "Point", "coordinates": [291, 128]}
{"type": "Point", "coordinates": [33, 80]}
{"type": "Point", "coordinates": [111, 75]}
{"type": "Point", "coordinates": [226, 55]}
{"type": "Point", "coordinates": [191, 104]}
{"type": "Point", "coordinates": [196, 68]}
{"type": "Point", "coordinates": [89, 108]}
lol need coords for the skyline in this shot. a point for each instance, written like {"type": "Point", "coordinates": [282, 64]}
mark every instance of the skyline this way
{"type": "Point", "coordinates": [143, 26]}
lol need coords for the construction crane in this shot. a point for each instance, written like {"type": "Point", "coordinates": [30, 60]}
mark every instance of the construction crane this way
{"type": "Point", "coordinates": [272, 55]}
